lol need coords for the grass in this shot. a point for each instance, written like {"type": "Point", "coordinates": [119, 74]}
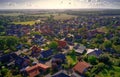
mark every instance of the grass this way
{"type": "Point", "coordinates": [102, 29]}
{"type": "Point", "coordinates": [72, 59]}
{"type": "Point", "coordinates": [25, 23]}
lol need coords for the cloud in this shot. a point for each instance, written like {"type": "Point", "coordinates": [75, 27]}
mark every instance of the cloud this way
{"type": "Point", "coordinates": [58, 4]}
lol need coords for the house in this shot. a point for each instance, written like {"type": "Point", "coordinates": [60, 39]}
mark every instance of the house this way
{"type": "Point", "coordinates": [32, 71]}
{"type": "Point", "coordinates": [60, 75]}
{"type": "Point", "coordinates": [79, 49]}
{"type": "Point", "coordinates": [59, 56]}
{"type": "Point", "coordinates": [58, 60]}
{"type": "Point", "coordinates": [35, 51]}
{"type": "Point", "coordinates": [46, 54]}
{"type": "Point", "coordinates": [35, 70]}
{"type": "Point", "coordinates": [78, 37]}
{"type": "Point", "coordinates": [62, 44]}
{"type": "Point", "coordinates": [94, 52]}
{"type": "Point", "coordinates": [38, 39]}
{"type": "Point", "coordinates": [43, 67]}
{"type": "Point", "coordinates": [8, 58]}
{"type": "Point", "coordinates": [22, 62]}
{"type": "Point", "coordinates": [81, 67]}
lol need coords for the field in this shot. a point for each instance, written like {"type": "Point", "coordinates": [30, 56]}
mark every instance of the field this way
{"type": "Point", "coordinates": [25, 23]}
{"type": "Point", "coordinates": [11, 14]}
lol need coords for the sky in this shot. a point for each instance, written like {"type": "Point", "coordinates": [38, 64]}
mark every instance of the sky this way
{"type": "Point", "coordinates": [59, 4]}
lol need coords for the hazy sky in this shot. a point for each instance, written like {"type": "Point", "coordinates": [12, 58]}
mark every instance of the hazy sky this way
{"type": "Point", "coordinates": [58, 4]}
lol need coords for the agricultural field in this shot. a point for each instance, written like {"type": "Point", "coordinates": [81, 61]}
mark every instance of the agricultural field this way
{"type": "Point", "coordinates": [25, 23]}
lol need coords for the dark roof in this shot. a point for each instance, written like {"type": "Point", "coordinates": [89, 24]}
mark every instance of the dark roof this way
{"type": "Point", "coordinates": [96, 53]}
{"type": "Point", "coordinates": [47, 53]}
{"type": "Point", "coordinates": [8, 57]}
{"type": "Point", "coordinates": [60, 56]}
{"type": "Point", "coordinates": [61, 75]}
{"type": "Point", "coordinates": [38, 36]}
{"type": "Point", "coordinates": [78, 37]}
{"type": "Point", "coordinates": [20, 62]}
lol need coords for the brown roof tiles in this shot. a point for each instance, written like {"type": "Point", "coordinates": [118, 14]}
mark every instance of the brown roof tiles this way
{"type": "Point", "coordinates": [80, 67]}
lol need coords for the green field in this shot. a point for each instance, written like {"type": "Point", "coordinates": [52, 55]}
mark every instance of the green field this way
{"type": "Point", "coordinates": [11, 14]}
{"type": "Point", "coordinates": [25, 23]}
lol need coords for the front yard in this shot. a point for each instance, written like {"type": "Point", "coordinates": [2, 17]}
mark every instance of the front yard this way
{"type": "Point", "coordinates": [71, 59]}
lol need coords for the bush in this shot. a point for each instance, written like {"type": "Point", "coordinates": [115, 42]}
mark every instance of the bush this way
{"type": "Point", "coordinates": [92, 60]}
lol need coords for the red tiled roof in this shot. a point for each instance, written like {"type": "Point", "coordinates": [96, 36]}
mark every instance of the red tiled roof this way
{"type": "Point", "coordinates": [42, 66]}
{"type": "Point", "coordinates": [32, 71]}
{"type": "Point", "coordinates": [62, 43]}
{"type": "Point", "coordinates": [36, 49]}
{"type": "Point", "coordinates": [80, 67]}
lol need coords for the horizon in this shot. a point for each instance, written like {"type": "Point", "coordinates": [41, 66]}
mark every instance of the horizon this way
{"type": "Point", "coordinates": [59, 4]}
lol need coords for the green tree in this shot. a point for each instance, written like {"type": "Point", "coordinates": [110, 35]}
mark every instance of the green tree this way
{"type": "Point", "coordinates": [87, 74]}
{"type": "Point", "coordinates": [8, 42]}
{"type": "Point", "coordinates": [53, 45]}
{"type": "Point", "coordinates": [105, 59]}
{"type": "Point", "coordinates": [2, 29]}
{"type": "Point", "coordinates": [107, 44]}
{"type": "Point", "coordinates": [92, 60]}
{"type": "Point", "coordinates": [100, 65]}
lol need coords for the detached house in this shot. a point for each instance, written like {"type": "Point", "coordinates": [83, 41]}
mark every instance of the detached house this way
{"type": "Point", "coordinates": [81, 67]}
{"type": "Point", "coordinates": [60, 75]}
{"type": "Point", "coordinates": [62, 44]}
{"type": "Point", "coordinates": [8, 58]}
{"type": "Point", "coordinates": [22, 62]}
{"type": "Point", "coordinates": [46, 54]}
{"type": "Point", "coordinates": [35, 51]}
{"type": "Point", "coordinates": [58, 60]}
{"type": "Point", "coordinates": [94, 52]}
{"type": "Point", "coordinates": [36, 69]}
{"type": "Point", "coordinates": [80, 49]}
{"type": "Point", "coordinates": [38, 39]}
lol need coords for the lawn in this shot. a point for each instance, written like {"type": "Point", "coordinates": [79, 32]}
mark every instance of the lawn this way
{"type": "Point", "coordinates": [72, 59]}
{"type": "Point", "coordinates": [25, 23]}
{"type": "Point", "coordinates": [108, 72]}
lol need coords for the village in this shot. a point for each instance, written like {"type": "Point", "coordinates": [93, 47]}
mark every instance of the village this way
{"type": "Point", "coordinates": [82, 46]}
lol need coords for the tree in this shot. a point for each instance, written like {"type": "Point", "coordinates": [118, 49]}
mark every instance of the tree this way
{"type": "Point", "coordinates": [53, 45]}
{"type": "Point", "coordinates": [87, 74]}
{"type": "Point", "coordinates": [2, 29]}
{"type": "Point", "coordinates": [92, 60]}
{"type": "Point", "coordinates": [116, 40]}
{"type": "Point", "coordinates": [107, 44]}
{"type": "Point", "coordinates": [105, 59]}
{"type": "Point", "coordinates": [100, 65]}
{"type": "Point", "coordinates": [8, 42]}
{"type": "Point", "coordinates": [4, 71]}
